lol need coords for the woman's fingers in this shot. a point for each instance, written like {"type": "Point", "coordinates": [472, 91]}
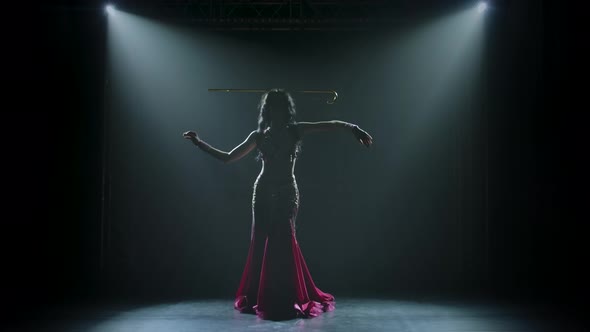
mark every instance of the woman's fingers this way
{"type": "Point", "coordinates": [189, 134]}
{"type": "Point", "coordinates": [367, 140]}
{"type": "Point", "coordinates": [364, 138]}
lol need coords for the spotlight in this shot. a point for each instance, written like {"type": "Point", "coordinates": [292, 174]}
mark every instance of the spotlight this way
{"type": "Point", "coordinates": [482, 6]}
{"type": "Point", "coordinates": [109, 8]}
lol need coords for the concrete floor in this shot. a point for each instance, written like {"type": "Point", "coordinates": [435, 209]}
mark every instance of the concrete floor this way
{"type": "Point", "coordinates": [351, 314]}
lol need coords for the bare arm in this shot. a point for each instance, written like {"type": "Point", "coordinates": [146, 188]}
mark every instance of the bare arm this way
{"type": "Point", "coordinates": [227, 157]}
{"type": "Point", "coordinates": [310, 127]}
{"type": "Point", "coordinates": [362, 136]}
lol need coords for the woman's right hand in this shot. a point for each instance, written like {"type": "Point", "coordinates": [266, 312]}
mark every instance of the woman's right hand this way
{"type": "Point", "coordinates": [192, 136]}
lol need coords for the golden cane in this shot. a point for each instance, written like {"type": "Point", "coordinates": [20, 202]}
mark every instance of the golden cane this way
{"type": "Point", "coordinates": [329, 101]}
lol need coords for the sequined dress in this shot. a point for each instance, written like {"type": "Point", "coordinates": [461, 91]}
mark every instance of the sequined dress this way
{"type": "Point", "coordinates": [276, 283]}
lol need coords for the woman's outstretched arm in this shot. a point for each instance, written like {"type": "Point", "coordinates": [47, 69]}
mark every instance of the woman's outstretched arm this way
{"type": "Point", "coordinates": [308, 127]}
{"type": "Point", "coordinates": [227, 157]}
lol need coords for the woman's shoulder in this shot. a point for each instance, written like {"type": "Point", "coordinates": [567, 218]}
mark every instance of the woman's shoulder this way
{"type": "Point", "coordinates": [295, 128]}
{"type": "Point", "coordinates": [258, 134]}
{"type": "Point", "coordinates": [299, 126]}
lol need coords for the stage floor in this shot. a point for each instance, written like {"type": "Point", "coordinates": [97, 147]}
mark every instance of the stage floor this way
{"type": "Point", "coordinates": [351, 314]}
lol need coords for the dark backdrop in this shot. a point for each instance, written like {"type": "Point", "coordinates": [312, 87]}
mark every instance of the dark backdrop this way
{"type": "Point", "coordinates": [535, 242]}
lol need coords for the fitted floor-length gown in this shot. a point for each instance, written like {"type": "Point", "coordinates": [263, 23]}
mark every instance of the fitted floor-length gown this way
{"type": "Point", "coordinates": [276, 283]}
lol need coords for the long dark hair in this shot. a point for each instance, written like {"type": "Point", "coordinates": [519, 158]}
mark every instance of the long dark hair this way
{"type": "Point", "coordinates": [278, 96]}
{"type": "Point", "coordinates": [285, 101]}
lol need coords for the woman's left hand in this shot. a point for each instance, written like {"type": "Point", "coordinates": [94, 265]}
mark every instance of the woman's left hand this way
{"type": "Point", "coordinates": [362, 136]}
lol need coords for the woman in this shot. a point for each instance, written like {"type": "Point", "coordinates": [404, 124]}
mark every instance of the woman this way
{"type": "Point", "coordinates": [276, 283]}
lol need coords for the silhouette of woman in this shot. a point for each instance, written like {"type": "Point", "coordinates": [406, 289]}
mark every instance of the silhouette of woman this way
{"type": "Point", "coordinates": [276, 283]}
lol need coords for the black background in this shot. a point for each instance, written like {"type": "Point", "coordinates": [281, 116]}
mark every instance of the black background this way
{"type": "Point", "coordinates": [54, 65]}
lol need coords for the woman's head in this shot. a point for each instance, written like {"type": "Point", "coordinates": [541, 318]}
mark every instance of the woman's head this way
{"type": "Point", "coordinates": [276, 108]}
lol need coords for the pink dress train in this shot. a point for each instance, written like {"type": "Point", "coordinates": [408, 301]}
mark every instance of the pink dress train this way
{"type": "Point", "coordinates": [276, 283]}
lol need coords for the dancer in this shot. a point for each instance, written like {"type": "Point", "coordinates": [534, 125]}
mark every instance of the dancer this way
{"type": "Point", "coordinates": [276, 283]}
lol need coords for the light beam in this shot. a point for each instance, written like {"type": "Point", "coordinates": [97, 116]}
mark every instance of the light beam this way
{"type": "Point", "coordinates": [482, 6]}
{"type": "Point", "coordinates": [109, 9]}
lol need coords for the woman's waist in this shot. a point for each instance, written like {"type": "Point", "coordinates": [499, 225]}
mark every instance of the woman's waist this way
{"type": "Point", "coordinates": [275, 180]}
{"type": "Point", "coordinates": [271, 187]}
